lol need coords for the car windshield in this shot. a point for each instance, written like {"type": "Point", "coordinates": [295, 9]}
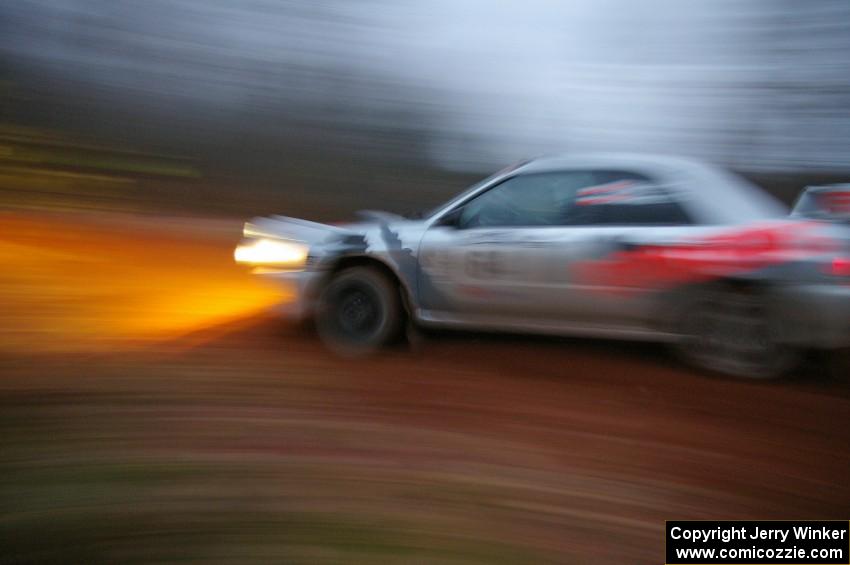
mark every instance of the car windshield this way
{"type": "Point", "coordinates": [806, 205]}
{"type": "Point", "coordinates": [824, 204]}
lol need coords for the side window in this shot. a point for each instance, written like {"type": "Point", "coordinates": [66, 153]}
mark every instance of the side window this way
{"type": "Point", "coordinates": [538, 199]}
{"type": "Point", "coordinates": [620, 198]}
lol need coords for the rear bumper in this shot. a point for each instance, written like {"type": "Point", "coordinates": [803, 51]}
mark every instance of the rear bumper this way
{"type": "Point", "coordinates": [816, 315]}
{"type": "Point", "coordinates": [300, 292]}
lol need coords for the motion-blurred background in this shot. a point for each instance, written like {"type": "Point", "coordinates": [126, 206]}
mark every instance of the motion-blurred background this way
{"type": "Point", "coordinates": [323, 107]}
{"type": "Point", "coordinates": [152, 412]}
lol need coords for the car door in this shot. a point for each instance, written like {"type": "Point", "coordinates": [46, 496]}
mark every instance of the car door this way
{"type": "Point", "coordinates": [626, 218]}
{"type": "Point", "coordinates": [505, 255]}
{"type": "Point", "coordinates": [550, 247]}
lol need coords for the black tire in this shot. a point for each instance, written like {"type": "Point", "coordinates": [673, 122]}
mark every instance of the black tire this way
{"type": "Point", "coordinates": [730, 331]}
{"type": "Point", "coordinates": [359, 312]}
{"type": "Point", "coordinates": [838, 363]}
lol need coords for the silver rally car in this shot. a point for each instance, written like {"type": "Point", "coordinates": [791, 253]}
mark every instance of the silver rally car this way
{"type": "Point", "coordinates": [617, 246]}
{"type": "Point", "coordinates": [829, 203]}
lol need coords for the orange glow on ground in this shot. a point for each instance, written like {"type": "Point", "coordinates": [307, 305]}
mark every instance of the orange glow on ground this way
{"type": "Point", "coordinates": [78, 282]}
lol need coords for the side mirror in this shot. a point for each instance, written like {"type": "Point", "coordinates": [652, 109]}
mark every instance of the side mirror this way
{"type": "Point", "coordinates": [451, 219]}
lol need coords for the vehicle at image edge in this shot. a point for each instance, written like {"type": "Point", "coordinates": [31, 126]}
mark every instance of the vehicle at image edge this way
{"type": "Point", "coordinates": [828, 203]}
{"type": "Point", "coordinates": [616, 246]}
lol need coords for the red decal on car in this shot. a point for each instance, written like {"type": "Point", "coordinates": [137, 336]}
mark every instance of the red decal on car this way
{"type": "Point", "coordinates": [660, 266]}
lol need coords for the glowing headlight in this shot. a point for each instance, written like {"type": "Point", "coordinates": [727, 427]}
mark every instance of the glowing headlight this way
{"type": "Point", "coordinates": [276, 253]}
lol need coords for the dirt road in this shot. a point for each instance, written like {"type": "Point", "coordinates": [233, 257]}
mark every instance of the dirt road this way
{"type": "Point", "coordinates": [151, 412]}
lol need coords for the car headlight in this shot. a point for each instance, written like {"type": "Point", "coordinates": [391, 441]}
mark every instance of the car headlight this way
{"type": "Point", "coordinates": [272, 253]}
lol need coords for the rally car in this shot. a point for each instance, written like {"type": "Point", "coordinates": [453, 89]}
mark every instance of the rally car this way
{"type": "Point", "coordinates": [616, 246]}
{"type": "Point", "coordinates": [828, 203]}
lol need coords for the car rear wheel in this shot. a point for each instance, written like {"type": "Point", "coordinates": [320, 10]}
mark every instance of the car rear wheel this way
{"type": "Point", "coordinates": [359, 311]}
{"type": "Point", "coordinates": [730, 331]}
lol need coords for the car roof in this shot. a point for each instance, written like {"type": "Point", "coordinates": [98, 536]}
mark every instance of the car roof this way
{"type": "Point", "coordinates": [714, 194]}
{"type": "Point", "coordinates": [614, 160]}
{"type": "Point", "coordinates": [839, 187]}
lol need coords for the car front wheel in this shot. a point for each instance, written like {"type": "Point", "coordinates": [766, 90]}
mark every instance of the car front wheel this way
{"type": "Point", "coordinates": [359, 311]}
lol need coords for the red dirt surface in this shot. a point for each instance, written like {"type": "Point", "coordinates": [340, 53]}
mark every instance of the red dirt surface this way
{"type": "Point", "coordinates": [244, 441]}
